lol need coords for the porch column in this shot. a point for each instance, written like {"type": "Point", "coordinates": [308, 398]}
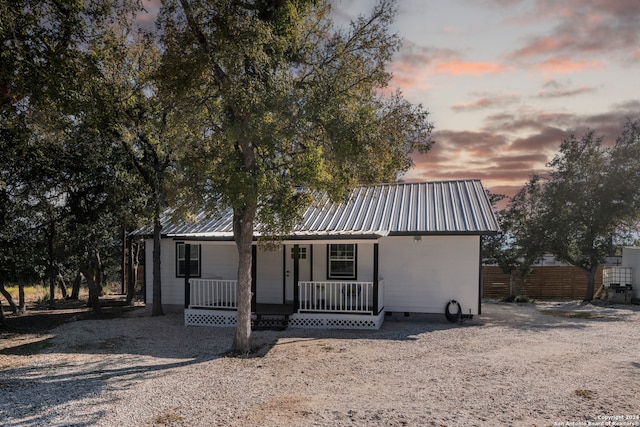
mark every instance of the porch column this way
{"type": "Point", "coordinates": [254, 276]}
{"type": "Point", "coordinates": [296, 277]}
{"type": "Point", "coordinates": [375, 279]}
{"type": "Point", "coordinates": [187, 275]}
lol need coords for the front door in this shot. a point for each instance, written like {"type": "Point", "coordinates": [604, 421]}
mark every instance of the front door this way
{"type": "Point", "coordinates": [304, 268]}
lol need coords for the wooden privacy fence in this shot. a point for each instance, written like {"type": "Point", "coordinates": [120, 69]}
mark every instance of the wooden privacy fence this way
{"type": "Point", "coordinates": [545, 282]}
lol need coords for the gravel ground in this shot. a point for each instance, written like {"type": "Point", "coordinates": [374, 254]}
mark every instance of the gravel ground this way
{"type": "Point", "coordinates": [549, 364]}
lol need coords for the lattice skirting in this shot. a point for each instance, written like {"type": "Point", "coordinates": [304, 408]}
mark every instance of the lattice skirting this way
{"type": "Point", "coordinates": [194, 317]}
{"type": "Point", "coordinates": [335, 321]}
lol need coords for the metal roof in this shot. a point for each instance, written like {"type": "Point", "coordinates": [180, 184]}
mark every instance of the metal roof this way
{"type": "Point", "coordinates": [447, 207]}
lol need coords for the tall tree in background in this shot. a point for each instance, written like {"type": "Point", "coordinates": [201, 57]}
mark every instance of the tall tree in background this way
{"type": "Point", "coordinates": [591, 196]}
{"type": "Point", "coordinates": [132, 113]}
{"type": "Point", "coordinates": [45, 62]}
{"type": "Point", "coordinates": [522, 240]}
{"type": "Point", "coordinates": [272, 96]}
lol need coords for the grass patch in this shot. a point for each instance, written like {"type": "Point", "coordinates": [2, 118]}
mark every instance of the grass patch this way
{"type": "Point", "coordinates": [169, 418]}
{"type": "Point", "coordinates": [585, 394]}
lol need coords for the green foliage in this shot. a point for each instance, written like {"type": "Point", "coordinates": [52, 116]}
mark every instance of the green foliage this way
{"type": "Point", "coordinates": [272, 97]}
{"type": "Point", "coordinates": [520, 299]}
{"type": "Point", "coordinates": [592, 196]}
{"type": "Point", "coordinates": [65, 186]}
{"type": "Point", "coordinates": [521, 240]}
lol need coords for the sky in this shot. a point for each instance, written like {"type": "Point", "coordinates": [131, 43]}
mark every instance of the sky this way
{"type": "Point", "coordinates": [505, 81]}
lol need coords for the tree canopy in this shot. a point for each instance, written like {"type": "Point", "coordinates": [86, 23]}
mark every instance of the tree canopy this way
{"type": "Point", "coordinates": [588, 202]}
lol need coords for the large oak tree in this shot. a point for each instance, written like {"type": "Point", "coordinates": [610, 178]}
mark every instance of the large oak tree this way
{"type": "Point", "coordinates": [591, 198]}
{"type": "Point", "coordinates": [273, 96]}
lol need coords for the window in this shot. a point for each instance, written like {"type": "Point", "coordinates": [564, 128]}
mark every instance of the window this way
{"type": "Point", "coordinates": [181, 258]}
{"type": "Point", "coordinates": [342, 261]}
{"type": "Point", "coordinates": [302, 253]}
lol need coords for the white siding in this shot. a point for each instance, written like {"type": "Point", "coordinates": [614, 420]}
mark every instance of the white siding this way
{"type": "Point", "coordinates": [422, 276]}
{"type": "Point", "coordinates": [270, 278]}
{"type": "Point", "coordinates": [219, 261]}
{"type": "Point", "coordinates": [319, 262]}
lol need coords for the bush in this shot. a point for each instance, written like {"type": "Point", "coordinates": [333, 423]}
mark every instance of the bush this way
{"type": "Point", "coordinates": [520, 299]}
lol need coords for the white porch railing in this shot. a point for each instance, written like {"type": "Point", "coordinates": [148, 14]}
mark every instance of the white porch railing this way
{"type": "Point", "coordinates": [338, 297]}
{"type": "Point", "coordinates": [315, 297]}
{"type": "Point", "coordinates": [213, 293]}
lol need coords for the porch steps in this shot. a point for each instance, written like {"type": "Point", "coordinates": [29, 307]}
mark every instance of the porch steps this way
{"type": "Point", "coordinates": [272, 317]}
{"type": "Point", "coordinates": [271, 322]}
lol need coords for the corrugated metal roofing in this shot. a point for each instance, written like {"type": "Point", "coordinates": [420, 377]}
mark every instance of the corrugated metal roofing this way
{"type": "Point", "coordinates": [448, 207]}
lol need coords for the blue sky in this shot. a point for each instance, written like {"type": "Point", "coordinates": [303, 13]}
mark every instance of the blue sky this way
{"type": "Point", "coordinates": [506, 80]}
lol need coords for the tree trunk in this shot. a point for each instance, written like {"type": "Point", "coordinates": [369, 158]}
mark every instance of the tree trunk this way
{"type": "Point", "coordinates": [75, 291]}
{"type": "Point", "coordinates": [7, 295]}
{"type": "Point", "coordinates": [512, 284]}
{"type": "Point", "coordinates": [591, 280]}
{"type": "Point", "coordinates": [62, 284]}
{"type": "Point", "coordinates": [51, 270]}
{"type": "Point", "coordinates": [91, 272]}
{"type": "Point", "coordinates": [243, 233]}
{"type": "Point", "coordinates": [157, 284]}
{"type": "Point", "coordinates": [21, 301]}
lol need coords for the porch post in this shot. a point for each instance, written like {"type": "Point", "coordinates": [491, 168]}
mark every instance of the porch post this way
{"type": "Point", "coordinates": [187, 275]}
{"type": "Point", "coordinates": [254, 276]}
{"type": "Point", "coordinates": [296, 276]}
{"type": "Point", "coordinates": [375, 279]}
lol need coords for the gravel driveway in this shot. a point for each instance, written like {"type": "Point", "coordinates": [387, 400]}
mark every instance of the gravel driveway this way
{"type": "Point", "coordinates": [549, 364]}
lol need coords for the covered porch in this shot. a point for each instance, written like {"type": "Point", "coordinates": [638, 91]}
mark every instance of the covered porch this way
{"type": "Point", "coordinates": [319, 304]}
{"type": "Point", "coordinates": [285, 288]}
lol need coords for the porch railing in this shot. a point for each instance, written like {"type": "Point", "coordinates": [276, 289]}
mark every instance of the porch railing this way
{"type": "Point", "coordinates": [214, 293]}
{"type": "Point", "coordinates": [338, 297]}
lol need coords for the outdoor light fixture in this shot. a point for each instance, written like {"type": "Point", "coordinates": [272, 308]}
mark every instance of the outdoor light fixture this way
{"type": "Point", "coordinates": [417, 238]}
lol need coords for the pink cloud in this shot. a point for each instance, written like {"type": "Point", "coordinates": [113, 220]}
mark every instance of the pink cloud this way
{"type": "Point", "coordinates": [468, 68]}
{"type": "Point", "coordinates": [582, 28]}
{"type": "Point", "coordinates": [565, 65]}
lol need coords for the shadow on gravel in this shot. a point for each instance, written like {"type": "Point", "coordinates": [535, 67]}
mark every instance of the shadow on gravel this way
{"type": "Point", "coordinates": [31, 394]}
{"type": "Point", "coordinates": [549, 315]}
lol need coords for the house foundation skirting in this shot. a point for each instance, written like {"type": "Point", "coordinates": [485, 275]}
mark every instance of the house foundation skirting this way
{"type": "Point", "coordinates": [226, 318]}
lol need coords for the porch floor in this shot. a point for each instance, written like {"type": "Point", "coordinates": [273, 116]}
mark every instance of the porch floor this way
{"type": "Point", "coordinates": [274, 309]}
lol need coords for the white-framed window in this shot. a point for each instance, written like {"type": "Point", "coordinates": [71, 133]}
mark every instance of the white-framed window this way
{"type": "Point", "coordinates": [181, 259]}
{"type": "Point", "coordinates": [341, 261]}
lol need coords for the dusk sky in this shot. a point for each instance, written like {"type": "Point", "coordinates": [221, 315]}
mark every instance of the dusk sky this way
{"type": "Point", "coordinates": [506, 80]}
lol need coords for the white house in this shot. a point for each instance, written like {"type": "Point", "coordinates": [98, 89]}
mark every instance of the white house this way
{"type": "Point", "coordinates": [407, 247]}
